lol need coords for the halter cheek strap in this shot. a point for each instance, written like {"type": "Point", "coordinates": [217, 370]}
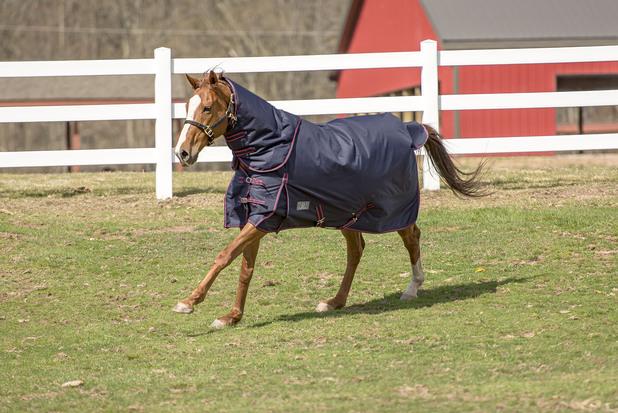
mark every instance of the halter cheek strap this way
{"type": "Point", "coordinates": [205, 128]}
{"type": "Point", "coordinates": [209, 129]}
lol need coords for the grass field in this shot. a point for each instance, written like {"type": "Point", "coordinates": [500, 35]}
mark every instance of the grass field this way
{"type": "Point", "coordinates": [518, 312]}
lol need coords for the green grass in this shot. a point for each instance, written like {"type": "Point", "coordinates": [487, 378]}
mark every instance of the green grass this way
{"type": "Point", "coordinates": [518, 312]}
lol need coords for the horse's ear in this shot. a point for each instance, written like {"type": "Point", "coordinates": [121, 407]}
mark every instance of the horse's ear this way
{"type": "Point", "coordinates": [213, 78]}
{"type": "Point", "coordinates": [195, 83]}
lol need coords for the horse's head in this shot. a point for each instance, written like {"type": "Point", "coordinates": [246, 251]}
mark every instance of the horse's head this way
{"type": "Point", "coordinates": [208, 114]}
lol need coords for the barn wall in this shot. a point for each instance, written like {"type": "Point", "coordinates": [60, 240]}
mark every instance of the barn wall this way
{"type": "Point", "coordinates": [380, 29]}
{"type": "Point", "coordinates": [514, 79]}
{"type": "Point", "coordinates": [507, 122]}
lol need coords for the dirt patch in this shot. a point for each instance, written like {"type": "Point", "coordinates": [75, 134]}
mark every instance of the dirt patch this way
{"type": "Point", "coordinates": [548, 162]}
{"type": "Point", "coordinates": [418, 391]}
{"type": "Point", "coordinates": [38, 396]}
{"type": "Point", "coordinates": [22, 288]}
{"type": "Point", "coordinates": [520, 181]}
{"type": "Point", "coordinates": [528, 198]}
{"type": "Point", "coordinates": [588, 405]}
{"type": "Point", "coordinates": [10, 235]}
{"type": "Point", "coordinates": [171, 230]}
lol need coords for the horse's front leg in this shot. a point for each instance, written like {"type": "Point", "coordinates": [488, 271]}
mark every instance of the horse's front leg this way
{"type": "Point", "coordinates": [247, 236]}
{"type": "Point", "coordinates": [246, 272]}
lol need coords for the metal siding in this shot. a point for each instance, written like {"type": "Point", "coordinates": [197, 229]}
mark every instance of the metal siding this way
{"type": "Point", "coordinates": [513, 79]}
{"type": "Point", "coordinates": [510, 122]}
{"type": "Point", "coordinates": [482, 23]}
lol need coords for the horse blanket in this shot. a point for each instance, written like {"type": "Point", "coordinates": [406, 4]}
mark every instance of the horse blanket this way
{"type": "Point", "coordinates": [358, 173]}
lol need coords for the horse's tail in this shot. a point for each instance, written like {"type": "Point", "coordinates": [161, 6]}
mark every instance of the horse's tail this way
{"type": "Point", "coordinates": [460, 182]}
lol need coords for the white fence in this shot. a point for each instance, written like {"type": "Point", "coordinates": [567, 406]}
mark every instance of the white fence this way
{"type": "Point", "coordinates": [430, 103]}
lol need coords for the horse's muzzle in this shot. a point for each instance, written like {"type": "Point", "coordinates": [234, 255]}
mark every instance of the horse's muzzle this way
{"type": "Point", "coordinates": [185, 158]}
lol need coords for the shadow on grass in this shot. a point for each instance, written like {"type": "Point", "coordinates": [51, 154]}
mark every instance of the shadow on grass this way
{"type": "Point", "coordinates": [43, 193]}
{"type": "Point", "coordinates": [508, 184]}
{"type": "Point", "coordinates": [391, 302]}
{"type": "Point", "coordinates": [69, 192]}
{"type": "Point", "coordinates": [200, 190]}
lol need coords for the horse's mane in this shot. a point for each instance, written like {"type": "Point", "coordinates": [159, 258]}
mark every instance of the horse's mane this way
{"type": "Point", "coordinates": [216, 68]}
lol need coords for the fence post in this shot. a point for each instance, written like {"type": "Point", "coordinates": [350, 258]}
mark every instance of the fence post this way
{"type": "Point", "coordinates": [431, 111]}
{"type": "Point", "coordinates": [163, 122]}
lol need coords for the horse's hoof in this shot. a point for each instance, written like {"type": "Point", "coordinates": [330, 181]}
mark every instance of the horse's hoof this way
{"type": "Point", "coordinates": [324, 307]}
{"type": "Point", "coordinates": [183, 308]}
{"type": "Point", "coordinates": [218, 324]}
{"type": "Point", "coordinates": [406, 297]}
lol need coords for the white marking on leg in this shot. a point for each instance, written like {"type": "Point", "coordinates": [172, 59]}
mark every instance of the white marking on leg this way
{"type": "Point", "coordinates": [217, 324]}
{"type": "Point", "coordinates": [417, 280]}
{"type": "Point", "coordinates": [417, 273]}
{"type": "Point", "coordinates": [182, 308]}
{"type": "Point", "coordinates": [323, 307]}
{"type": "Point", "coordinates": [194, 103]}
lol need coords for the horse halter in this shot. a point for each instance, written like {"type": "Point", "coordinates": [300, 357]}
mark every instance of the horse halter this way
{"type": "Point", "coordinates": [209, 129]}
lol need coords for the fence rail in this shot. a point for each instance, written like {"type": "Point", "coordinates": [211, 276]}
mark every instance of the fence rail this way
{"type": "Point", "coordinates": [529, 100]}
{"type": "Point", "coordinates": [528, 56]}
{"type": "Point", "coordinates": [76, 112]}
{"type": "Point", "coordinates": [300, 63]}
{"type": "Point", "coordinates": [78, 68]}
{"type": "Point", "coordinates": [428, 59]}
{"type": "Point", "coordinates": [127, 156]}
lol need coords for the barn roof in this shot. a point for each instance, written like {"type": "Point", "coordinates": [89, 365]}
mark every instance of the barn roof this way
{"type": "Point", "coordinates": [523, 23]}
{"type": "Point", "coordinates": [471, 24]}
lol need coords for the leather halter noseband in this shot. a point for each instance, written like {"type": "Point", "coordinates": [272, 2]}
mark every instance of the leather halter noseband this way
{"type": "Point", "coordinates": [209, 129]}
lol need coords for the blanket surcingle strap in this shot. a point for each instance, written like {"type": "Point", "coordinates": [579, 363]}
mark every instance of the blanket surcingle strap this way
{"type": "Point", "coordinates": [358, 173]}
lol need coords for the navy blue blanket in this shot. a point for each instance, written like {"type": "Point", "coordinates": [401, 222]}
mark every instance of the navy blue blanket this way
{"type": "Point", "coordinates": [358, 173]}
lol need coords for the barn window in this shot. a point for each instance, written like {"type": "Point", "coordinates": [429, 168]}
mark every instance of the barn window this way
{"type": "Point", "coordinates": [581, 120]}
{"type": "Point", "coordinates": [408, 116]}
{"type": "Point", "coordinates": [404, 116]}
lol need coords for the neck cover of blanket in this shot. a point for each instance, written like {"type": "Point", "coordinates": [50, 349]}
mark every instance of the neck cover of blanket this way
{"type": "Point", "coordinates": [358, 173]}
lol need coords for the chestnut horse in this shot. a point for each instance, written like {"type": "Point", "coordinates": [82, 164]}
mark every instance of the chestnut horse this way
{"type": "Point", "coordinates": [252, 128]}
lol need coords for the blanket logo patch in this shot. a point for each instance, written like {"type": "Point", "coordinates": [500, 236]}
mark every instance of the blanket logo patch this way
{"type": "Point", "coordinates": [302, 205]}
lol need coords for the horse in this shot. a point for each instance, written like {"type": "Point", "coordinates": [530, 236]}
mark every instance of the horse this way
{"type": "Point", "coordinates": [355, 174]}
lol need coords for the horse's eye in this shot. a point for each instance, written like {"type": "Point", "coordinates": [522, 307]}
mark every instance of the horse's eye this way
{"type": "Point", "coordinates": [206, 109]}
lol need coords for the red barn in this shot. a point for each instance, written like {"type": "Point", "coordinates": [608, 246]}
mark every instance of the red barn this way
{"type": "Point", "coordinates": [400, 25]}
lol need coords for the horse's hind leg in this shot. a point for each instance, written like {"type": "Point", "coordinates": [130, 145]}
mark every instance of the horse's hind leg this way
{"type": "Point", "coordinates": [355, 245]}
{"type": "Point", "coordinates": [411, 237]}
